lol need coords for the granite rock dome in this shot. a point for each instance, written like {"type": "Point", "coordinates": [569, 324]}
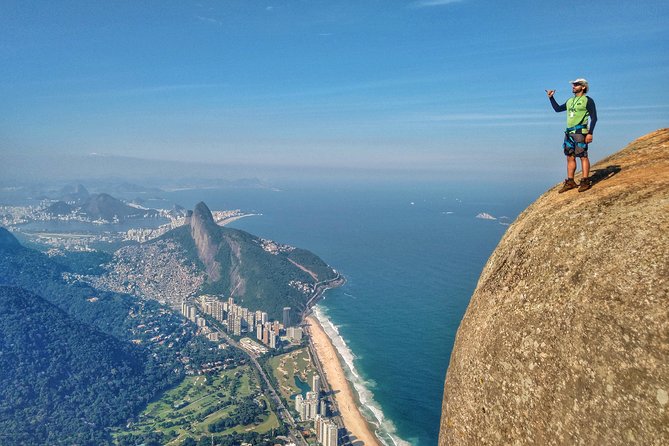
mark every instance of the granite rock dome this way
{"type": "Point", "coordinates": [566, 338]}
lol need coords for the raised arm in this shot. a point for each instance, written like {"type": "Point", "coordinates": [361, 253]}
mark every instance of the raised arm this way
{"type": "Point", "coordinates": [592, 111]}
{"type": "Point", "coordinates": [556, 106]}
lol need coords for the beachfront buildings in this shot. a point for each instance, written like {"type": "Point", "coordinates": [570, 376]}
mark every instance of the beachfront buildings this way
{"type": "Point", "coordinates": [310, 408]}
{"type": "Point", "coordinates": [327, 431]}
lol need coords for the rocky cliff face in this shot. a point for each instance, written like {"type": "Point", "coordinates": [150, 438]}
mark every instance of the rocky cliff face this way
{"type": "Point", "coordinates": [566, 338]}
{"type": "Point", "coordinates": [205, 234]}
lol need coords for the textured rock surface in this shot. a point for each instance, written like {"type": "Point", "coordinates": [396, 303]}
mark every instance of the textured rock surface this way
{"type": "Point", "coordinates": [566, 338]}
{"type": "Point", "coordinates": [204, 231]}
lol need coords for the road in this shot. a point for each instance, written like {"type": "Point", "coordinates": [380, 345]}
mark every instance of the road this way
{"type": "Point", "coordinates": [284, 415]}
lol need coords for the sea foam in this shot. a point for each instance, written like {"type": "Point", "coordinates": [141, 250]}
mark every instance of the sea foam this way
{"type": "Point", "coordinates": [383, 427]}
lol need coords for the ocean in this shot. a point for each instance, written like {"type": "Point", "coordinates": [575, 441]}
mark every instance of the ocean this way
{"type": "Point", "coordinates": [411, 253]}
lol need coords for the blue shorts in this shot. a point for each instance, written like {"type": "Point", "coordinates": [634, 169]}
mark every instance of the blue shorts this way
{"type": "Point", "coordinates": [575, 145]}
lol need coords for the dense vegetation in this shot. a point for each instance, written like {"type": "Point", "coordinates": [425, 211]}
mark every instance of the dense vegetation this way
{"type": "Point", "coordinates": [87, 262]}
{"type": "Point", "coordinates": [61, 381]}
{"type": "Point", "coordinates": [313, 263]}
{"type": "Point", "coordinates": [248, 411]}
{"type": "Point", "coordinates": [36, 272]}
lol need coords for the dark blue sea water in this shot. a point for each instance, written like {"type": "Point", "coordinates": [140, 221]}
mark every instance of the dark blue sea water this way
{"type": "Point", "coordinates": [412, 254]}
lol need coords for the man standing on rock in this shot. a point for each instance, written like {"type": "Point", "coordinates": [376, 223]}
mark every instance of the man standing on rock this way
{"type": "Point", "coordinates": [578, 133]}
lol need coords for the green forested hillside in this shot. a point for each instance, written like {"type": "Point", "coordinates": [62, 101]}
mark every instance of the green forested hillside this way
{"type": "Point", "coordinates": [36, 272]}
{"type": "Point", "coordinates": [61, 381]}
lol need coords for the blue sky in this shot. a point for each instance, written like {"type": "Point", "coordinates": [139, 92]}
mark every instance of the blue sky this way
{"type": "Point", "coordinates": [432, 87]}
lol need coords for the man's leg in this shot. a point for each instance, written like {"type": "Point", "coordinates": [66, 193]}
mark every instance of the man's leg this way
{"type": "Point", "coordinates": [585, 166]}
{"type": "Point", "coordinates": [585, 181]}
{"type": "Point", "coordinates": [571, 166]}
{"type": "Point", "coordinates": [569, 183]}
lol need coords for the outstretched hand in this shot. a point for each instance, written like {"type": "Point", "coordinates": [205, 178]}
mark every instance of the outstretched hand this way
{"type": "Point", "coordinates": [550, 93]}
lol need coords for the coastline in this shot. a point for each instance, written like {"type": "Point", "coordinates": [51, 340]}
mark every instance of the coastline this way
{"type": "Point", "coordinates": [354, 422]}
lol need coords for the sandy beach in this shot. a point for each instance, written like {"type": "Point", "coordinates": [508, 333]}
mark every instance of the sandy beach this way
{"type": "Point", "coordinates": [354, 422]}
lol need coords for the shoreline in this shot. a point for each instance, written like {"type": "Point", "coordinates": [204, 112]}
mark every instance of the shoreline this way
{"type": "Point", "coordinates": [356, 425]}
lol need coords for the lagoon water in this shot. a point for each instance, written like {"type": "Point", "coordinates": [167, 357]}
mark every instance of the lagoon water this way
{"type": "Point", "coordinates": [411, 254]}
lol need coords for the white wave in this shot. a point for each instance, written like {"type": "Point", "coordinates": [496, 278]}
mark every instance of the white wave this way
{"type": "Point", "coordinates": [384, 428]}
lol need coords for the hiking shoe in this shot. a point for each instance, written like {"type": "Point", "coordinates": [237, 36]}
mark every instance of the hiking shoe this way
{"type": "Point", "coordinates": [585, 185]}
{"type": "Point", "coordinates": [569, 184]}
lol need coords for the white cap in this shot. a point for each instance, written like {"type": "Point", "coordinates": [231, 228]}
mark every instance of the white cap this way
{"type": "Point", "coordinates": [579, 81]}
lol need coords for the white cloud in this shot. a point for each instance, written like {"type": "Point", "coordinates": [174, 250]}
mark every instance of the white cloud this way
{"type": "Point", "coordinates": [430, 3]}
{"type": "Point", "coordinates": [209, 20]}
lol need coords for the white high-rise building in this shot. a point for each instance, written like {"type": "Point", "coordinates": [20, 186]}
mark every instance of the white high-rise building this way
{"type": "Point", "coordinates": [273, 339]}
{"type": "Point", "coordinates": [329, 433]}
{"type": "Point", "coordinates": [218, 312]}
{"type": "Point", "coordinates": [237, 326]}
{"type": "Point", "coordinates": [311, 406]}
{"type": "Point", "coordinates": [316, 384]}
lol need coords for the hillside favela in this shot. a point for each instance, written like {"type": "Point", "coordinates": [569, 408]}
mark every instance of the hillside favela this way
{"type": "Point", "coordinates": [351, 223]}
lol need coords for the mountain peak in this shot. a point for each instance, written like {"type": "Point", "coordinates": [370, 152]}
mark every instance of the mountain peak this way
{"type": "Point", "coordinates": [201, 211]}
{"type": "Point", "coordinates": [206, 235]}
{"type": "Point", "coordinates": [565, 339]}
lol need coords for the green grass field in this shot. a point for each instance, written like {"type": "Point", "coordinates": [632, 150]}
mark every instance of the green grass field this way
{"type": "Point", "coordinates": [189, 408]}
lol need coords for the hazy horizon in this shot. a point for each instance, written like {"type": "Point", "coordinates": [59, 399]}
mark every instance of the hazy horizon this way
{"type": "Point", "coordinates": [271, 90]}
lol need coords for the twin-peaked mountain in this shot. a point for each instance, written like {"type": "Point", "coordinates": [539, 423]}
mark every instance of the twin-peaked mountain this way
{"type": "Point", "coordinates": [258, 273]}
{"type": "Point", "coordinates": [204, 257]}
{"type": "Point", "coordinates": [98, 207]}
